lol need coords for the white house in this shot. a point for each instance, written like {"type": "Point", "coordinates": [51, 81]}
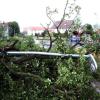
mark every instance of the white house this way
{"type": "Point", "coordinates": [5, 29]}
{"type": "Point", "coordinates": [34, 30]}
{"type": "Point", "coordinates": [65, 25]}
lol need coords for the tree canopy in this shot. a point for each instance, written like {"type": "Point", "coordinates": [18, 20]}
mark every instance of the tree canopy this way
{"type": "Point", "coordinates": [13, 28]}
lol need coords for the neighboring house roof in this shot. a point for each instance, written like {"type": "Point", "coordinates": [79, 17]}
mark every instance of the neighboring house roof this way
{"type": "Point", "coordinates": [36, 28]}
{"type": "Point", "coordinates": [64, 25]}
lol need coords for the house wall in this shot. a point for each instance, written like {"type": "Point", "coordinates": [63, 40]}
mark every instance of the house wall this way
{"type": "Point", "coordinates": [61, 30]}
{"type": "Point", "coordinates": [5, 33]}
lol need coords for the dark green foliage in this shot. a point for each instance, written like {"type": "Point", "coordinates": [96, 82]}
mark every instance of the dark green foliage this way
{"type": "Point", "coordinates": [95, 46]}
{"type": "Point", "coordinates": [25, 78]}
{"type": "Point", "coordinates": [44, 33]}
{"type": "Point", "coordinates": [89, 28]}
{"type": "Point", "coordinates": [13, 28]}
{"type": "Point", "coordinates": [1, 31]}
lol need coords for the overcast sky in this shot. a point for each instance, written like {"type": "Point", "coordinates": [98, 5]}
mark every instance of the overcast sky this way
{"type": "Point", "coordinates": [33, 12]}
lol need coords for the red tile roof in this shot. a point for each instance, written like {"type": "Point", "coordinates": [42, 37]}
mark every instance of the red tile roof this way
{"type": "Point", "coordinates": [34, 28]}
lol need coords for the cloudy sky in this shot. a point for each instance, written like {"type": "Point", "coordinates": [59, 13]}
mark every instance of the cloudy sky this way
{"type": "Point", "coordinates": [33, 12]}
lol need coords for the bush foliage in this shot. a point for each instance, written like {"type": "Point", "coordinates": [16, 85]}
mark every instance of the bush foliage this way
{"type": "Point", "coordinates": [27, 78]}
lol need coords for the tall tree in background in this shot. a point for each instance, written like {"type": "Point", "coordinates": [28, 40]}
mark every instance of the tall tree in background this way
{"type": "Point", "coordinates": [1, 30]}
{"type": "Point", "coordinates": [14, 28]}
{"type": "Point", "coordinates": [88, 28]}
